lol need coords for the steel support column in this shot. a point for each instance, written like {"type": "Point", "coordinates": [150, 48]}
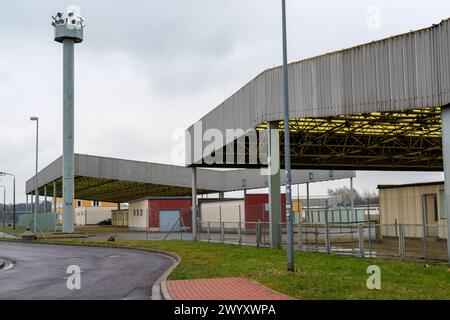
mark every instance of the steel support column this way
{"type": "Point", "coordinates": [274, 183]}
{"type": "Point", "coordinates": [445, 120]}
{"type": "Point", "coordinates": [194, 204]}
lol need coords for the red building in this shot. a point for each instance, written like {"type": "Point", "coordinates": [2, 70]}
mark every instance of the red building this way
{"type": "Point", "coordinates": [160, 214]}
{"type": "Point", "coordinates": [174, 213]}
{"type": "Point", "coordinates": [257, 207]}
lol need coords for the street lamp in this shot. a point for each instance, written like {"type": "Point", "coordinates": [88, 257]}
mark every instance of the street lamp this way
{"type": "Point", "coordinates": [36, 192]}
{"type": "Point", "coordinates": [4, 206]}
{"type": "Point", "coordinates": [287, 148]}
{"type": "Point", "coordinates": [14, 195]}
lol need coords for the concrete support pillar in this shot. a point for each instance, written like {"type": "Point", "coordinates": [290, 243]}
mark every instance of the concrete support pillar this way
{"type": "Point", "coordinates": [445, 120]}
{"type": "Point", "coordinates": [26, 203]}
{"type": "Point", "coordinates": [68, 136]}
{"type": "Point", "coordinates": [221, 195]}
{"type": "Point", "coordinates": [274, 184]}
{"type": "Point", "coordinates": [194, 204]}
{"type": "Point", "coordinates": [32, 202]}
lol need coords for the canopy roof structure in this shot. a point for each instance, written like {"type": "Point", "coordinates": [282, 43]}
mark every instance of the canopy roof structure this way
{"type": "Point", "coordinates": [376, 106]}
{"type": "Point", "coordinates": [120, 181]}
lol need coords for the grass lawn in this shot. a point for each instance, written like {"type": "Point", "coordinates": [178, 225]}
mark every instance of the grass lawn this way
{"type": "Point", "coordinates": [322, 276]}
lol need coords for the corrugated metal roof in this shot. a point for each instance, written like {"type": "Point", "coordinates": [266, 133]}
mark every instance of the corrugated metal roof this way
{"type": "Point", "coordinates": [119, 180]}
{"type": "Point", "coordinates": [404, 72]}
{"type": "Point", "coordinates": [410, 185]}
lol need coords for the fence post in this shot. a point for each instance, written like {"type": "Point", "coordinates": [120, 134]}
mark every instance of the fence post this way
{"type": "Point", "coordinates": [280, 234]}
{"type": "Point", "coordinates": [401, 229]}
{"type": "Point", "coordinates": [370, 238]}
{"type": "Point", "coordinates": [350, 221]}
{"type": "Point", "coordinates": [239, 228]}
{"type": "Point", "coordinates": [361, 239]}
{"type": "Point", "coordinates": [425, 242]}
{"type": "Point", "coordinates": [239, 234]}
{"type": "Point", "coordinates": [396, 228]}
{"type": "Point", "coordinates": [316, 234]}
{"type": "Point", "coordinates": [222, 232]}
{"type": "Point", "coordinates": [209, 231]}
{"type": "Point", "coordinates": [300, 245]}
{"type": "Point", "coordinates": [327, 233]}
{"type": "Point", "coordinates": [258, 234]}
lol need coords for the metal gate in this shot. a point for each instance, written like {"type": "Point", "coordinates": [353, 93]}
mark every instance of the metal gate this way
{"type": "Point", "coordinates": [169, 220]}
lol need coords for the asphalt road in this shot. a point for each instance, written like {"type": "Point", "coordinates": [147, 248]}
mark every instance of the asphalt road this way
{"type": "Point", "coordinates": [39, 272]}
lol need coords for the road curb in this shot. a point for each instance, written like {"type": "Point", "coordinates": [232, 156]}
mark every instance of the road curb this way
{"type": "Point", "coordinates": [159, 288]}
{"type": "Point", "coordinates": [2, 264]}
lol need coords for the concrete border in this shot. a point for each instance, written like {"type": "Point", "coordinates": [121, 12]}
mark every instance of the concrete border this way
{"type": "Point", "coordinates": [159, 288]}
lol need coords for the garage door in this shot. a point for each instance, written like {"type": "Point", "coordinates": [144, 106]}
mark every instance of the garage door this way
{"type": "Point", "coordinates": [169, 220]}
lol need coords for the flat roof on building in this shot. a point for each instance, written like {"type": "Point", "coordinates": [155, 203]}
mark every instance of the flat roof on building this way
{"type": "Point", "coordinates": [410, 185]}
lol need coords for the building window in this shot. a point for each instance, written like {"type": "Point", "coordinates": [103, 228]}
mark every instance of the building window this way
{"type": "Point", "coordinates": [134, 213]}
{"type": "Point", "coordinates": [95, 203]}
{"type": "Point", "coordinates": [141, 212]}
{"type": "Point", "coordinates": [79, 203]}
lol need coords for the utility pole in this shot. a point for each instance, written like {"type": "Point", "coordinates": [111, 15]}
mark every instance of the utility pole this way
{"type": "Point", "coordinates": [287, 148]}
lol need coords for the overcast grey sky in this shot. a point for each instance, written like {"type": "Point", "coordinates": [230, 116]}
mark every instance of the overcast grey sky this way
{"type": "Point", "coordinates": [148, 69]}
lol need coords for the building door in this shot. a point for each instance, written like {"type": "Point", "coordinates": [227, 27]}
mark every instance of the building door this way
{"type": "Point", "coordinates": [169, 220]}
{"type": "Point", "coordinates": [432, 214]}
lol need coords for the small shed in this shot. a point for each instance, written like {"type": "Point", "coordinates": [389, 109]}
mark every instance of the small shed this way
{"type": "Point", "coordinates": [119, 217]}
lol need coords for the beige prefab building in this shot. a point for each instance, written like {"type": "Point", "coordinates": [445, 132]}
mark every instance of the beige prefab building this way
{"type": "Point", "coordinates": [92, 215]}
{"type": "Point", "coordinates": [138, 216]}
{"type": "Point", "coordinates": [414, 205]}
{"type": "Point", "coordinates": [221, 210]}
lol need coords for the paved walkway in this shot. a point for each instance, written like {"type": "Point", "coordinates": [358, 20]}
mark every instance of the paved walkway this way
{"type": "Point", "coordinates": [221, 289]}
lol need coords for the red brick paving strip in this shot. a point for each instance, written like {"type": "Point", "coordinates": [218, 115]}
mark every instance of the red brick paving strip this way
{"type": "Point", "coordinates": [221, 289]}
